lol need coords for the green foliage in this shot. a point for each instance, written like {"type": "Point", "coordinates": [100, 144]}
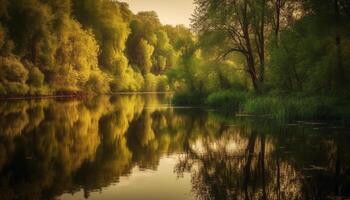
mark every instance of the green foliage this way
{"type": "Point", "coordinates": [131, 81]}
{"type": "Point", "coordinates": [163, 84]}
{"type": "Point", "coordinates": [100, 46]}
{"type": "Point", "coordinates": [109, 22]}
{"type": "Point", "coordinates": [30, 28]}
{"type": "Point", "coordinates": [98, 83]}
{"type": "Point", "coordinates": [77, 55]}
{"type": "Point", "coordinates": [36, 77]}
{"type": "Point", "coordinates": [12, 70]}
{"type": "Point", "coordinates": [149, 47]}
{"type": "Point", "coordinates": [13, 76]}
{"type": "Point", "coordinates": [287, 108]}
{"type": "Point", "coordinates": [81, 46]}
{"type": "Point", "coordinates": [144, 56]}
{"type": "Point", "coordinates": [155, 83]}
{"type": "Point", "coordinates": [306, 60]}
{"type": "Point", "coordinates": [305, 53]}
{"type": "Point", "coordinates": [226, 100]}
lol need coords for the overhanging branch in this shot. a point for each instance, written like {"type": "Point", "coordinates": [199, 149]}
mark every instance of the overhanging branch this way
{"type": "Point", "coordinates": [226, 53]}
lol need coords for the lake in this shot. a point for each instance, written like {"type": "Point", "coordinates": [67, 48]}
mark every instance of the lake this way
{"type": "Point", "coordinates": [141, 147]}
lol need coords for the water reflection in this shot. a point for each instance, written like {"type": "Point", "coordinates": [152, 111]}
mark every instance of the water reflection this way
{"type": "Point", "coordinates": [53, 147]}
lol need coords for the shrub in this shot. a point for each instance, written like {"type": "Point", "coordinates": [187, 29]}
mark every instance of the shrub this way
{"type": "Point", "coordinates": [130, 81]}
{"type": "Point", "coordinates": [36, 77]}
{"type": "Point", "coordinates": [11, 69]}
{"type": "Point", "coordinates": [97, 83]}
{"type": "Point", "coordinates": [150, 82]}
{"type": "Point", "coordinates": [162, 83]}
{"type": "Point", "coordinates": [15, 88]}
{"type": "Point", "coordinates": [226, 100]}
{"type": "Point", "coordinates": [13, 76]}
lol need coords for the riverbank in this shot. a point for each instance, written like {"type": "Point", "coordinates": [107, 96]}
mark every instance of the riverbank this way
{"type": "Point", "coordinates": [75, 95]}
{"type": "Point", "coordinates": [61, 94]}
{"type": "Point", "coordinates": [282, 108]}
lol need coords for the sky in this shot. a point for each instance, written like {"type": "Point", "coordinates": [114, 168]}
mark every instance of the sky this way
{"type": "Point", "coordinates": [169, 11]}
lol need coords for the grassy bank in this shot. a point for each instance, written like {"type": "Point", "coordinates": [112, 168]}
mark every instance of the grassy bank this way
{"type": "Point", "coordinates": [281, 108]}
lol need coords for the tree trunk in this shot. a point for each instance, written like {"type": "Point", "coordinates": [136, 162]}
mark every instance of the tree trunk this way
{"type": "Point", "coordinates": [249, 54]}
{"type": "Point", "coordinates": [262, 43]}
{"type": "Point", "coordinates": [340, 70]}
{"type": "Point", "coordinates": [278, 20]}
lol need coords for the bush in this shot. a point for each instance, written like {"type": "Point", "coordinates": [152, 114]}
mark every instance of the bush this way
{"type": "Point", "coordinates": [154, 83]}
{"type": "Point", "coordinates": [130, 81]}
{"type": "Point", "coordinates": [11, 69]}
{"type": "Point", "coordinates": [13, 76]}
{"type": "Point", "coordinates": [226, 100]}
{"type": "Point", "coordinates": [15, 88]}
{"type": "Point", "coordinates": [162, 83]}
{"type": "Point", "coordinates": [150, 82]}
{"type": "Point", "coordinates": [97, 83]}
{"type": "Point", "coordinates": [36, 77]}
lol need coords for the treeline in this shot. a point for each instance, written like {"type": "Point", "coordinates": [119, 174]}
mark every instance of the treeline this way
{"type": "Point", "coordinates": [285, 50]}
{"type": "Point", "coordinates": [84, 46]}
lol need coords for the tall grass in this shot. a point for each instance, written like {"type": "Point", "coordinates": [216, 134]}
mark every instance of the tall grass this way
{"type": "Point", "coordinates": [281, 108]}
{"type": "Point", "coordinates": [287, 108]}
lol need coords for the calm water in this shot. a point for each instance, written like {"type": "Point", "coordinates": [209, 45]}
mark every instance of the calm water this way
{"type": "Point", "coordinates": [139, 147]}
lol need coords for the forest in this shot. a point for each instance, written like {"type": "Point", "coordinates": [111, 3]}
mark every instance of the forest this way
{"type": "Point", "coordinates": [282, 58]}
{"type": "Point", "coordinates": [94, 46]}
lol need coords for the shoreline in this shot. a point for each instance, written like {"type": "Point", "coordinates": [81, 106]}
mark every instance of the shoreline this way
{"type": "Point", "coordinates": [74, 96]}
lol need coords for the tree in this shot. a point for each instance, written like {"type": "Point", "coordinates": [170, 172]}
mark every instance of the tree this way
{"type": "Point", "coordinates": [244, 25]}
{"type": "Point", "coordinates": [146, 26]}
{"type": "Point", "coordinates": [109, 23]}
{"type": "Point", "coordinates": [311, 55]}
{"type": "Point", "coordinates": [144, 56]}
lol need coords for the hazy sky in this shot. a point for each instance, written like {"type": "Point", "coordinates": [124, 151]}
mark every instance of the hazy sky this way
{"type": "Point", "coordinates": [169, 11]}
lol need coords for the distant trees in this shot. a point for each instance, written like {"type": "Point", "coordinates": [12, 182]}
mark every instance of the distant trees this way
{"type": "Point", "coordinates": [109, 21]}
{"type": "Point", "coordinates": [149, 36]}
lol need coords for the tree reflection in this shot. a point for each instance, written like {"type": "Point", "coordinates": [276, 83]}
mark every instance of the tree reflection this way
{"type": "Point", "coordinates": [49, 147]}
{"type": "Point", "coordinates": [243, 163]}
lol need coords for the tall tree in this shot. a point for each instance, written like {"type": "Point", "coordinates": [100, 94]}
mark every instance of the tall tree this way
{"type": "Point", "coordinates": [244, 24]}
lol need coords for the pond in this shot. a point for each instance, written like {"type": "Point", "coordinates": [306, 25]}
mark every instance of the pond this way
{"type": "Point", "coordinates": [141, 147]}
